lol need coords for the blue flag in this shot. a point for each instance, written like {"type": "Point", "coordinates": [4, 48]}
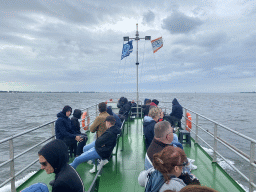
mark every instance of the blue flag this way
{"type": "Point", "coordinates": [127, 49]}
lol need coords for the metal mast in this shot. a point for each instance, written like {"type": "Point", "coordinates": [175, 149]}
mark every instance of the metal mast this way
{"type": "Point", "coordinates": [137, 38]}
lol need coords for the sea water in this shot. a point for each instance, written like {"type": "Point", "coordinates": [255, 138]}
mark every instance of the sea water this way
{"type": "Point", "coordinates": [23, 111]}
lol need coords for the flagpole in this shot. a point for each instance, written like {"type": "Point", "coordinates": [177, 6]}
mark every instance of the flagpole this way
{"type": "Point", "coordinates": [137, 64]}
{"type": "Point", "coordinates": [137, 38]}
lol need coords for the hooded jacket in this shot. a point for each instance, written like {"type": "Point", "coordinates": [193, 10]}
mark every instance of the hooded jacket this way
{"type": "Point", "coordinates": [118, 120]}
{"type": "Point", "coordinates": [176, 109]}
{"type": "Point", "coordinates": [66, 178]}
{"type": "Point", "coordinates": [148, 130]}
{"type": "Point", "coordinates": [74, 121]}
{"type": "Point", "coordinates": [105, 144]}
{"type": "Point", "coordinates": [63, 127]}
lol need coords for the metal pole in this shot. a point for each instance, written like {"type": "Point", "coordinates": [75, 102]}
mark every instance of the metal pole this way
{"type": "Point", "coordinates": [53, 130]}
{"type": "Point", "coordinates": [185, 119]}
{"type": "Point", "coordinates": [215, 144]}
{"type": "Point", "coordinates": [252, 156]}
{"type": "Point", "coordinates": [12, 172]}
{"type": "Point", "coordinates": [196, 141]}
{"type": "Point", "coordinates": [137, 63]}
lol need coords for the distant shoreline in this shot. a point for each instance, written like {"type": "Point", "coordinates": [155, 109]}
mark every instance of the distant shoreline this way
{"type": "Point", "coordinates": [48, 92]}
{"type": "Point", "coordinates": [249, 92]}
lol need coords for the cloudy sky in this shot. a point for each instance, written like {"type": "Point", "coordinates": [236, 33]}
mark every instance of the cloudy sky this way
{"type": "Point", "coordinates": [76, 45]}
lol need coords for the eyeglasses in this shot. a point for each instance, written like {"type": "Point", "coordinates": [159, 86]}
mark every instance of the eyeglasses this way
{"type": "Point", "coordinates": [43, 163]}
{"type": "Point", "coordinates": [183, 164]}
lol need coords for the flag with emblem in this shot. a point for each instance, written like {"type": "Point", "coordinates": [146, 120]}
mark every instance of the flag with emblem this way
{"type": "Point", "coordinates": [127, 49]}
{"type": "Point", "coordinates": [157, 44]}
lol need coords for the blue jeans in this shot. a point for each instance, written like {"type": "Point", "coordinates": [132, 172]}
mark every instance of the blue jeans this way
{"type": "Point", "coordinates": [89, 154]}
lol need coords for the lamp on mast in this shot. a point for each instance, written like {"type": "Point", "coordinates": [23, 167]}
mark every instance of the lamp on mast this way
{"type": "Point", "coordinates": [137, 38]}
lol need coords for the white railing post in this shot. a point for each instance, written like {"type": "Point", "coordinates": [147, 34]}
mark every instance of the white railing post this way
{"type": "Point", "coordinates": [12, 172]}
{"type": "Point", "coordinates": [185, 120]}
{"type": "Point", "coordinates": [196, 140]}
{"type": "Point", "coordinates": [53, 130]}
{"type": "Point", "coordinates": [215, 144]}
{"type": "Point", "coordinates": [252, 157]}
{"type": "Point", "coordinates": [88, 117]}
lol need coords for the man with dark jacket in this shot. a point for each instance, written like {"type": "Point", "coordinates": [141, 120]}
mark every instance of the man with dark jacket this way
{"type": "Point", "coordinates": [63, 128]}
{"type": "Point", "coordinates": [149, 124]}
{"type": "Point", "coordinates": [176, 114]}
{"type": "Point", "coordinates": [75, 124]}
{"type": "Point", "coordinates": [118, 120]}
{"type": "Point", "coordinates": [102, 147]}
{"type": "Point", "coordinates": [53, 158]}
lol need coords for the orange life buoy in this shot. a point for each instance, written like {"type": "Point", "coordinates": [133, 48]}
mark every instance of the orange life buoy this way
{"type": "Point", "coordinates": [188, 121]}
{"type": "Point", "coordinates": [83, 120]}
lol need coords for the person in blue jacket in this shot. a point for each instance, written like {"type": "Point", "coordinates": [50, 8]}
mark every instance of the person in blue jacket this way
{"type": "Point", "coordinates": [102, 147]}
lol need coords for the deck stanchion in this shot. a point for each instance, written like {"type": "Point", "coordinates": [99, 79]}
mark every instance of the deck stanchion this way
{"type": "Point", "coordinates": [215, 144]}
{"type": "Point", "coordinates": [185, 118]}
{"type": "Point", "coordinates": [12, 171]}
{"type": "Point", "coordinates": [96, 110]}
{"type": "Point", "coordinates": [196, 140]}
{"type": "Point", "coordinates": [53, 130]}
{"type": "Point", "coordinates": [252, 157]}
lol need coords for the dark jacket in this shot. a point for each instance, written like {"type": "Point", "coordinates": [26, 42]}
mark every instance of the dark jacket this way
{"type": "Point", "coordinates": [176, 109]}
{"type": "Point", "coordinates": [148, 129]}
{"type": "Point", "coordinates": [74, 121]}
{"type": "Point", "coordinates": [63, 127]}
{"type": "Point", "coordinates": [66, 177]}
{"type": "Point", "coordinates": [118, 120]}
{"type": "Point", "coordinates": [105, 144]}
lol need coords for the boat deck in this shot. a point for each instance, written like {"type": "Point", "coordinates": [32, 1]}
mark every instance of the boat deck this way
{"type": "Point", "coordinates": [130, 162]}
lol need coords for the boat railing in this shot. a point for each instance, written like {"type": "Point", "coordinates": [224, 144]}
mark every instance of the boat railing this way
{"type": "Point", "coordinates": [10, 141]}
{"type": "Point", "coordinates": [217, 127]}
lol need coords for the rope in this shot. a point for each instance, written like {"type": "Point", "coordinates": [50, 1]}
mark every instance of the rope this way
{"type": "Point", "coordinates": [141, 71]}
{"type": "Point", "coordinates": [118, 71]}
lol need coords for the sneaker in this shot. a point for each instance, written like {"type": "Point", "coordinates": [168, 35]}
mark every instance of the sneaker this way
{"type": "Point", "coordinates": [104, 162]}
{"type": "Point", "coordinates": [93, 168]}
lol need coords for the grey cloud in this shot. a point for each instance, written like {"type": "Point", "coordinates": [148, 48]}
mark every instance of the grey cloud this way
{"type": "Point", "coordinates": [179, 23]}
{"type": "Point", "coordinates": [148, 17]}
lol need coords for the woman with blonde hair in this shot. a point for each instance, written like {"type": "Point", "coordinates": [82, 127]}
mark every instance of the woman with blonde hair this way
{"type": "Point", "coordinates": [167, 168]}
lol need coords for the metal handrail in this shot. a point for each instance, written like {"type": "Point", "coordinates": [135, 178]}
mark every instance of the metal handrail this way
{"type": "Point", "coordinates": [250, 159]}
{"type": "Point", "coordinates": [12, 157]}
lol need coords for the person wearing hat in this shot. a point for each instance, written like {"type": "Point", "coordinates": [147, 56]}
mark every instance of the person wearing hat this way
{"type": "Point", "coordinates": [63, 128]}
{"type": "Point", "coordinates": [53, 158]}
{"type": "Point", "coordinates": [102, 147]}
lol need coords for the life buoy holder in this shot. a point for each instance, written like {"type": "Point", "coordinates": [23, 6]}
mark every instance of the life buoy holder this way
{"type": "Point", "coordinates": [188, 121]}
{"type": "Point", "coordinates": [85, 115]}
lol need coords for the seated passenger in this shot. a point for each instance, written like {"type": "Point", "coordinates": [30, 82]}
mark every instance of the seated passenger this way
{"type": "Point", "coordinates": [53, 158]}
{"type": "Point", "coordinates": [76, 128]}
{"type": "Point", "coordinates": [197, 188]}
{"type": "Point", "coordinates": [99, 125]}
{"type": "Point", "coordinates": [63, 128]}
{"type": "Point", "coordinates": [176, 114]}
{"type": "Point", "coordinates": [145, 107]}
{"type": "Point", "coordinates": [163, 137]}
{"type": "Point", "coordinates": [102, 147]}
{"type": "Point", "coordinates": [124, 110]}
{"type": "Point", "coordinates": [149, 124]}
{"type": "Point", "coordinates": [118, 120]}
{"type": "Point", "coordinates": [168, 165]}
